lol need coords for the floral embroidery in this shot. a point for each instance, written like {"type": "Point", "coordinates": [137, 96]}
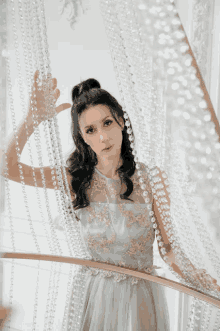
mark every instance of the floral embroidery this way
{"type": "Point", "coordinates": [99, 244]}
{"type": "Point", "coordinates": [138, 246]}
{"type": "Point", "coordinates": [105, 273]}
{"type": "Point", "coordinates": [91, 213]}
{"type": "Point", "coordinates": [114, 189]}
{"type": "Point", "coordinates": [116, 229]}
{"type": "Point", "coordinates": [142, 218]}
{"type": "Point", "coordinates": [118, 277]}
{"type": "Point", "coordinates": [98, 182]}
{"type": "Point", "coordinates": [97, 187]}
{"type": "Point", "coordinates": [101, 215]}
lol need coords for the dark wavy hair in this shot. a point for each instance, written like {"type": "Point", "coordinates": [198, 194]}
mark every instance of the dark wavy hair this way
{"type": "Point", "coordinates": [81, 163]}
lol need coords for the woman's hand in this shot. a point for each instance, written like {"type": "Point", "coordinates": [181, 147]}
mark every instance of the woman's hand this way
{"type": "Point", "coordinates": [38, 99]}
{"type": "Point", "coordinates": [4, 313]}
{"type": "Point", "coordinates": [207, 281]}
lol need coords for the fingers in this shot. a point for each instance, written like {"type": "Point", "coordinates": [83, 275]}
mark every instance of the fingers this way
{"type": "Point", "coordinates": [35, 78]}
{"type": "Point", "coordinates": [56, 94]}
{"type": "Point", "coordinates": [63, 107]}
{"type": "Point", "coordinates": [36, 74]}
{"type": "Point", "coordinates": [48, 77]}
{"type": "Point", "coordinates": [217, 287]}
{"type": "Point", "coordinates": [54, 81]}
{"type": "Point", "coordinates": [207, 278]}
{"type": "Point", "coordinates": [67, 105]}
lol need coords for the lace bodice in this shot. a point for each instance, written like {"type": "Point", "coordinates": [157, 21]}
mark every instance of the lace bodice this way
{"type": "Point", "coordinates": [114, 230]}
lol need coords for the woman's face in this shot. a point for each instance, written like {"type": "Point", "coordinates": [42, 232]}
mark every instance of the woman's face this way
{"type": "Point", "coordinates": [100, 130]}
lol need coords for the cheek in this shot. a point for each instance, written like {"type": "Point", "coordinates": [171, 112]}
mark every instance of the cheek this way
{"type": "Point", "coordinates": [94, 143]}
{"type": "Point", "coordinates": [118, 135]}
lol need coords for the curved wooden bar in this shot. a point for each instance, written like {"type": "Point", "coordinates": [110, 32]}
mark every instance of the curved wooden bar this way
{"type": "Point", "coordinates": [128, 271]}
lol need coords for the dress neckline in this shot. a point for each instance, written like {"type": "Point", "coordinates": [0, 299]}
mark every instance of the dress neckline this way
{"type": "Point", "coordinates": [111, 179]}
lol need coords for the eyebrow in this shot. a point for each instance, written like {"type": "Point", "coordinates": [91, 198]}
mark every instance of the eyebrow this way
{"type": "Point", "coordinates": [89, 126]}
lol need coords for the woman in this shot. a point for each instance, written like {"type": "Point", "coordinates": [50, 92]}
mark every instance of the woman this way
{"type": "Point", "coordinates": [114, 219]}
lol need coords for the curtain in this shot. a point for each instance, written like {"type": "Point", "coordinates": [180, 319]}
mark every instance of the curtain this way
{"type": "Point", "coordinates": [82, 49]}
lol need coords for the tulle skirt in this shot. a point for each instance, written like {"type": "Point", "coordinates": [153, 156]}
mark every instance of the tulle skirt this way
{"type": "Point", "coordinates": [122, 306]}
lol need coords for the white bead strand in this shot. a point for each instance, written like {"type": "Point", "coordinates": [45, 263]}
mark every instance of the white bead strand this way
{"type": "Point", "coordinates": [120, 61]}
{"type": "Point", "coordinates": [24, 14]}
{"type": "Point", "coordinates": [39, 58]}
{"type": "Point", "coordinates": [181, 69]}
{"type": "Point", "coordinates": [8, 202]}
{"type": "Point", "coordinates": [125, 77]}
{"type": "Point", "coordinates": [14, 124]}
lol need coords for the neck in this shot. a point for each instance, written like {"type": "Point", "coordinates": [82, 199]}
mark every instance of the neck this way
{"type": "Point", "coordinates": [108, 166]}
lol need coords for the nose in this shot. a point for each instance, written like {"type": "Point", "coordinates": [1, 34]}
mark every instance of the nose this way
{"type": "Point", "coordinates": [103, 136]}
{"type": "Point", "coordinates": [104, 140]}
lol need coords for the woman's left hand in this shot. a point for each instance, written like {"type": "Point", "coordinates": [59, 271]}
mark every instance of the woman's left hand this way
{"type": "Point", "coordinates": [207, 281]}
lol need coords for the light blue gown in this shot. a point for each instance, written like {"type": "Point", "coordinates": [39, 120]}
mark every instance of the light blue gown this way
{"type": "Point", "coordinates": [119, 232]}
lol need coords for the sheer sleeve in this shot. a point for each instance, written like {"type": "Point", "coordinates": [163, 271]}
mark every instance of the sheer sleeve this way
{"type": "Point", "coordinates": [168, 242]}
{"type": "Point", "coordinates": [159, 192]}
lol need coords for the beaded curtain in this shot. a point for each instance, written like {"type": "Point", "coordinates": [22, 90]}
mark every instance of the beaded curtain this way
{"type": "Point", "coordinates": [173, 129]}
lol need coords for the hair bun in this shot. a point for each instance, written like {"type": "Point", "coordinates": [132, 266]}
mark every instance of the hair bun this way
{"type": "Point", "coordinates": [86, 85]}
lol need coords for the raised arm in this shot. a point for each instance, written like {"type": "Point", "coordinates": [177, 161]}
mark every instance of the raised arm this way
{"type": "Point", "coordinates": [22, 136]}
{"type": "Point", "coordinates": [166, 244]}
{"type": "Point", "coordinates": [198, 276]}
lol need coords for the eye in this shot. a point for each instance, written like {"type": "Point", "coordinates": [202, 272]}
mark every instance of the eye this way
{"type": "Point", "coordinates": [87, 131]}
{"type": "Point", "coordinates": [108, 121]}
